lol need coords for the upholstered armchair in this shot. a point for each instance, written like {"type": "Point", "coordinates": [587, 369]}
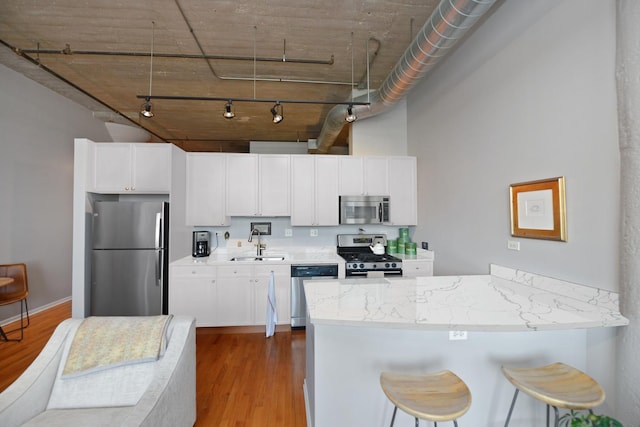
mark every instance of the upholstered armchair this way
{"type": "Point", "coordinates": [150, 393]}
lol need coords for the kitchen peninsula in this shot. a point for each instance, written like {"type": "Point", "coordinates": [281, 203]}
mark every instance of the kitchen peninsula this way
{"type": "Point", "coordinates": [358, 328]}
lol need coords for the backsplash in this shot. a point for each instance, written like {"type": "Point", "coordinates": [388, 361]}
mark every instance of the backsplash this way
{"type": "Point", "coordinates": [300, 236]}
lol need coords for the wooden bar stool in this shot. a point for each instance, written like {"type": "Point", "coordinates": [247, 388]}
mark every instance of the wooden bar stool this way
{"type": "Point", "coordinates": [558, 385]}
{"type": "Point", "coordinates": [440, 396]}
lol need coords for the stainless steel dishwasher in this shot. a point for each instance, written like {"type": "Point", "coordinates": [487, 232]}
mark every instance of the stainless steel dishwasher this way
{"type": "Point", "coordinates": [300, 273]}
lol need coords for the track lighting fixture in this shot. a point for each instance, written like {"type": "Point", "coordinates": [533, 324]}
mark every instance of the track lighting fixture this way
{"type": "Point", "coordinates": [228, 113]}
{"type": "Point", "coordinates": [277, 112]}
{"type": "Point", "coordinates": [350, 117]}
{"type": "Point", "coordinates": [145, 110]}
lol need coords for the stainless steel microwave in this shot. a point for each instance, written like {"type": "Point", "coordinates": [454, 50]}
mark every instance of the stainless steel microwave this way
{"type": "Point", "coordinates": [364, 209]}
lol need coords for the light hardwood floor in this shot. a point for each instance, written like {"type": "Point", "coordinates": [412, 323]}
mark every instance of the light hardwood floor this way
{"type": "Point", "coordinates": [243, 379]}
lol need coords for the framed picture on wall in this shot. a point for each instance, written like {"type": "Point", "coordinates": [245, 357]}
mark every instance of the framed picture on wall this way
{"type": "Point", "coordinates": [538, 209]}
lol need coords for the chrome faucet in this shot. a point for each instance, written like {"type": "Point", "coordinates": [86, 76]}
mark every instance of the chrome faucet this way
{"type": "Point", "coordinates": [259, 247]}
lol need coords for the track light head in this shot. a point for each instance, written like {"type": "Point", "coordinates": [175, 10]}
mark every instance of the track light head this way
{"type": "Point", "coordinates": [350, 117]}
{"type": "Point", "coordinates": [228, 113]}
{"type": "Point", "coordinates": [145, 110]}
{"type": "Point", "coordinates": [277, 112]}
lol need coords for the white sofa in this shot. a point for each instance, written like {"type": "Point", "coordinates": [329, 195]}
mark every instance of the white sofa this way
{"type": "Point", "coordinates": [167, 399]}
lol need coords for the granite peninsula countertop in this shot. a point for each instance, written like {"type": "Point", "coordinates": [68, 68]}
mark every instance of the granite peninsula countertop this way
{"type": "Point", "coordinates": [504, 300]}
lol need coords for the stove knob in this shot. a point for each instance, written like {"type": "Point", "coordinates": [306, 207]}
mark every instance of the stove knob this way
{"type": "Point", "coordinates": [374, 266]}
{"type": "Point", "coordinates": [355, 265]}
{"type": "Point", "coordinates": [387, 265]}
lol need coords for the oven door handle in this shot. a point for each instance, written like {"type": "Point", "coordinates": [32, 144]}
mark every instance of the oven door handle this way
{"type": "Point", "coordinates": [364, 273]}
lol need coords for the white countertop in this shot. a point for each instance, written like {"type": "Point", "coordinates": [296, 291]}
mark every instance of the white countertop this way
{"type": "Point", "coordinates": [505, 300]}
{"type": "Point", "coordinates": [292, 255]}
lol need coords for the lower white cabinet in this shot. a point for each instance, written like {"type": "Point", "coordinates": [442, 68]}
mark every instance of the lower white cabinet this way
{"type": "Point", "coordinates": [417, 267]}
{"type": "Point", "coordinates": [242, 293]}
{"type": "Point", "coordinates": [282, 285]}
{"type": "Point", "coordinates": [229, 295]}
{"type": "Point", "coordinates": [193, 292]}
{"type": "Point", "coordinates": [234, 295]}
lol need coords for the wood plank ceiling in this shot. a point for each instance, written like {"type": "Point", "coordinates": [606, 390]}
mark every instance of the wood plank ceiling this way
{"type": "Point", "coordinates": [277, 50]}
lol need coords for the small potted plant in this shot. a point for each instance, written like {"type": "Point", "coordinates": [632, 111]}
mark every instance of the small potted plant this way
{"type": "Point", "coordinates": [577, 419]}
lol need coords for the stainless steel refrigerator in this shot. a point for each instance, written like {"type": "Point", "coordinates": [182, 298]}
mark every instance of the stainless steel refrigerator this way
{"type": "Point", "coordinates": [129, 258]}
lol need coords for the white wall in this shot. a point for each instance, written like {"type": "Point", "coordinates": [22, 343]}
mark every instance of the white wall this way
{"type": "Point", "coordinates": [530, 95]}
{"type": "Point", "coordinates": [382, 135]}
{"type": "Point", "coordinates": [36, 183]}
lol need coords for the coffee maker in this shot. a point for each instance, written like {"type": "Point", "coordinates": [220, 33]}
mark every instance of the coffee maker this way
{"type": "Point", "coordinates": [200, 244]}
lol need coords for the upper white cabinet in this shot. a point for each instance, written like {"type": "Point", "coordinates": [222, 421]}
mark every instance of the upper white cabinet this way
{"type": "Point", "coordinates": [314, 190]}
{"type": "Point", "coordinates": [364, 176]}
{"type": "Point", "coordinates": [274, 189]}
{"type": "Point", "coordinates": [206, 177]}
{"type": "Point", "coordinates": [258, 185]}
{"type": "Point", "coordinates": [403, 193]}
{"type": "Point", "coordinates": [131, 168]}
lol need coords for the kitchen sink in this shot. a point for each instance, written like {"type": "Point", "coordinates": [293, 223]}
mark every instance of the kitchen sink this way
{"type": "Point", "coordinates": [257, 258]}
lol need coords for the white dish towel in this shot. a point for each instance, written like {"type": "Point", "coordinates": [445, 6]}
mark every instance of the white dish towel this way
{"type": "Point", "coordinates": [272, 313]}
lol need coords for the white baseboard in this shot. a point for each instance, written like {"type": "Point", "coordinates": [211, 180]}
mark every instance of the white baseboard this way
{"type": "Point", "coordinates": [36, 310]}
{"type": "Point", "coordinates": [306, 403]}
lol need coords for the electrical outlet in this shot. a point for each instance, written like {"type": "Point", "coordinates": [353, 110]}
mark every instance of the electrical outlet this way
{"type": "Point", "coordinates": [513, 245]}
{"type": "Point", "coordinates": [457, 335]}
{"type": "Point", "coordinates": [288, 232]}
{"type": "Point", "coordinates": [313, 232]}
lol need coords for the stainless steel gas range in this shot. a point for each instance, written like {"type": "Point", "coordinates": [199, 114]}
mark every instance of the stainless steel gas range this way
{"type": "Point", "coordinates": [356, 249]}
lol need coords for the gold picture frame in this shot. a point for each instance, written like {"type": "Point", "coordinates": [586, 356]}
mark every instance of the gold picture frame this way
{"type": "Point", "coordinates": [538, 209]}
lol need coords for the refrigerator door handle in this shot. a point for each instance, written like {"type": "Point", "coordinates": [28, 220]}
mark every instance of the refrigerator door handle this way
{"type": "Point", "coordinates": [158, 249]}
{"type": "Point", "coordinates": [158, 230]}
{"type": "Point", "coordinates": [159, 267]}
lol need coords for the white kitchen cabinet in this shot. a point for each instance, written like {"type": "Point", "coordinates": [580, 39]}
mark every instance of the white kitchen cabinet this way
{"type": "Point", "coordinates": [314, 190]}
{"type": "Point", "coordinates": [363, 176]}
{"type": "Point", "coordinates": [205, 195]}
{"type": "Point", "coordinates": [258, 185]}
{"type": "Point", "coordinates": [193, 292]}
{"type": "Point", "coordinates": [131, 168]}
{"type": "Point", "coordinates": [403, 193]}
{"type": "Point", "coordinates": [242, 294]}
{"type": "Point", "coordinates": [242, 184]}
{"type": "Point", "coordinates": [282, 285]}
{"type": "Point", "coordinates": [235, 292]}
{"type": "Point", "coordinates": [417, 268]}
{"type": "Point", "coordinates": [274, 194]}
{"type": "Point", "coordinates": [351, 176]}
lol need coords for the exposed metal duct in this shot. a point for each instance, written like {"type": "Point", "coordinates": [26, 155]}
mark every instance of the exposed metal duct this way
{"type": "Point", "coordinates": [451, 20]}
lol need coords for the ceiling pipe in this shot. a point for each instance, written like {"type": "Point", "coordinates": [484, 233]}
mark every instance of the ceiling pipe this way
{"type": "Point", "coordinates": [449, 22]}
{"type": "Point", "coordinates": [67, 51]}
